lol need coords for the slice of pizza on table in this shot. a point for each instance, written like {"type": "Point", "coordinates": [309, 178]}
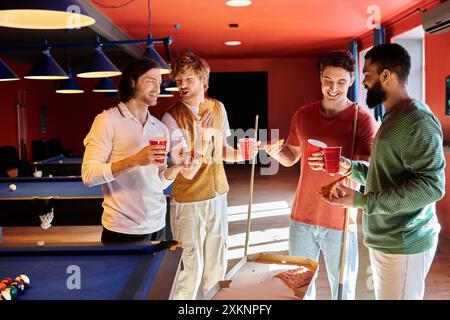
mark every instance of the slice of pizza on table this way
{"type": "Point", "coordinates": [296, 279]}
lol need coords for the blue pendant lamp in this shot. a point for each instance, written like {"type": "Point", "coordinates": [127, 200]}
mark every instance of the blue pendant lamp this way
{"type": "Point", "coordinates": [6, 74]}
{"type": "Point", "coordinates": [44, 14]}
{"type": "Point", "coordinates": [151, 53]}
{"type": "Point", "coordinates": [172, 85]}
{"type": "Point", "coordinates": [46, 68]}
{"type": "Point", "coordinates": [69, 86]}
{"type": "Point", "coordinates": [100, 66]}
{"type": "Point", "coordinates": [105, 85]}
{"type": "Point", "coordinates": [164, 93]}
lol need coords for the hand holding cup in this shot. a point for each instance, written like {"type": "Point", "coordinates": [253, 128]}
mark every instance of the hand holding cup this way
{"type": "Point", "coordinates": [158, 147]}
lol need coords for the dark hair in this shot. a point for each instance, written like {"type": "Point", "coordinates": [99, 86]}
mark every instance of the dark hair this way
{"type": "Point", "coordinates": [393, 57]}
{"type": "Point", "coordinates": [133, 71]}
{"type": "Point", "coordinates": [338, 58]}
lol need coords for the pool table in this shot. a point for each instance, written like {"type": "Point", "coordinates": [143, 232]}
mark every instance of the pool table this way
{"type": "Point", "coordinates": [94, 271]}
{"type": "Point", "coordinates": [59, 166]}
{"type": "Point", "coordinates": [73, 203]}
{"type": "Point", "coordinates": [62, 165]}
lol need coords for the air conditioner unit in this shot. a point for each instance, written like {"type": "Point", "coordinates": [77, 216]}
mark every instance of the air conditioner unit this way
{"type": "Point", "coordinates": [437, 19]}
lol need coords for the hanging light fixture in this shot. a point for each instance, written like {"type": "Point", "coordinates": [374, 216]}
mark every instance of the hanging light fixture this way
{"type": "Point", "coordinates": [150, 51]}
{"type": "Point", "coordinates": [105, 85]}
{"type": "Point", "coordinates": [44, 14]}
{"type": "Point", "coordinates": [100, 66]}
{"type": "Point", "coordinates": [46, 68]}
{"type": "Point", "coordinates": [163, 93]}
{"type": "Point", "coordinates": [69, 86]}
{"type": "Point", "coordinates": [6, 74]}
{"type": "Point", "coordinates": [172, 85]}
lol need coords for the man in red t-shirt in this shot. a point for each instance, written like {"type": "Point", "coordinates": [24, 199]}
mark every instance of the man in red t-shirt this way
{"type": "Point", "coordinates": [316, 225]}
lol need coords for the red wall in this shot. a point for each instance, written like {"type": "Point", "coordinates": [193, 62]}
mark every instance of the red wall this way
{"type": "Point", "coordinates": [75, 113]}
{"type": "Point", "coordinates": [437, 68]}
{"type": "Point", "coordinates": [37, 93]}
{"type": "Point", "coordinates": [68, 116]}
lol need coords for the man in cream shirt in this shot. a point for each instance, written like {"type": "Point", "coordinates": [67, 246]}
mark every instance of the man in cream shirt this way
{"type": "Point", "coordinates": [119, 158]}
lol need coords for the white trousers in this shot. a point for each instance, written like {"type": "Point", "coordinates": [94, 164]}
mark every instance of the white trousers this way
{"type": "Point", "coordinates": [202, 228]}
{"type": "Point", "coordinates": [400, 276]}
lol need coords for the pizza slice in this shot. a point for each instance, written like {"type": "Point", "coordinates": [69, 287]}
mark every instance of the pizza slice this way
{"type": "Point", "coordinates": [267, 145]}
{"type": "Point", "coordinates": [207, 105]}
{"type": "Point", "coordinates": [296, 278]}
{"type": "Point", "coordinates": [330, 191]}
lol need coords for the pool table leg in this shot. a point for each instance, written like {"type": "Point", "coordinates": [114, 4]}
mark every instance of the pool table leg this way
{"type": "Point", "coordinates": [169, 235]}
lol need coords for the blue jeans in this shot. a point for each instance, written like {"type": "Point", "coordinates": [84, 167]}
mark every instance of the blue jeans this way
{"type": "Point", "coordinates": [306, 241]}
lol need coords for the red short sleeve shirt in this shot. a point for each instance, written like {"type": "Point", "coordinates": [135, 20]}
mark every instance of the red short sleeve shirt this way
{"type": "Point", "coordinates": [309, 122]}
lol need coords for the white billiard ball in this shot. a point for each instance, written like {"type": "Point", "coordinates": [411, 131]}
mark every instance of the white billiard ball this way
{"type": "Point", "coordinates": [60, 161]}
{"type": "Point", "coordinates": [12, 187]}
{"type": "Point", "coordinates": [50, 176]}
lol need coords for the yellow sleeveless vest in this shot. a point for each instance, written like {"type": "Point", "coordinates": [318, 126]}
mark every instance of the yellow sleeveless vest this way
{"type": "Point", "coordinates": [210, 178]}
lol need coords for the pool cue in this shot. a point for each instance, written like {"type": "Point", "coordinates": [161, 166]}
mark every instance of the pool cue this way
{"type": "Point", "coordinates": [346, 222]}
{"type": "Point", "coordinates": [250, 193]}
{"type": "Point", "coordinates": [343, 253]}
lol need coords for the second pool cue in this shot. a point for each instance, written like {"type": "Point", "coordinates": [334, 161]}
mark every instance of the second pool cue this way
{"type": "Point", "coordinates": [250, 196]}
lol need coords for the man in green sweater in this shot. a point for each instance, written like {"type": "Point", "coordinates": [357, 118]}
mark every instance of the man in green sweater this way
{"type": "Point", "coordinates": [403, 181]}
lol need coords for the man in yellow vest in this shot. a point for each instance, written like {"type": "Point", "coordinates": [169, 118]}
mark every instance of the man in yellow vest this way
{"type": "Point", "coordinates": [198, 128]}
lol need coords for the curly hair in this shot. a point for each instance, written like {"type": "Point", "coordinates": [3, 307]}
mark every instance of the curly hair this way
{"type": "Point", "coordinates": [194, 62]}
{"type": "Point", "coordinates": [338, 58]}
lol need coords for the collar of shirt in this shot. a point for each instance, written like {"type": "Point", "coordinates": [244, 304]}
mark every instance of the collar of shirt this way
{"type": "Point", "coordinates": [123, 109]}
{"type": "Point", "coordinates": [195, 109]}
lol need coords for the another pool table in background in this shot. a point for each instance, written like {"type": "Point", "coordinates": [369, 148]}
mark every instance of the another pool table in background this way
{"type": "Point", "coordinates": [73, 203]}
{"type": "Point", "coordinates": [59, 166]}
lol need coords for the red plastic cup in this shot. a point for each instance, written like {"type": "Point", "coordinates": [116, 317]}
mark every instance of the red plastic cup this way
{"type": "Point", "coordinates": [247, 147]}
{"type": "Point", "coordinates": [314, 146]}
{"type": "Point", "coordinates": [161, 141]}
{"type": "Point", "coordinates": [331, 157]}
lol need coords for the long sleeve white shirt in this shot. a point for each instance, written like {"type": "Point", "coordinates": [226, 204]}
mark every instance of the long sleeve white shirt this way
{"type": "Point", "coordinates": [134, 202]}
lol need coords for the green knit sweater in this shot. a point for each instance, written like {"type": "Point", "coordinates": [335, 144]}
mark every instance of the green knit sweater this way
{"type": "Point", "coordinates": [403, 181]}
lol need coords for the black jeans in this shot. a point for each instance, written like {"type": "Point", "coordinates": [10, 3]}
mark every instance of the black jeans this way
{"type": "Point", "coordinates": [111, 236]}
